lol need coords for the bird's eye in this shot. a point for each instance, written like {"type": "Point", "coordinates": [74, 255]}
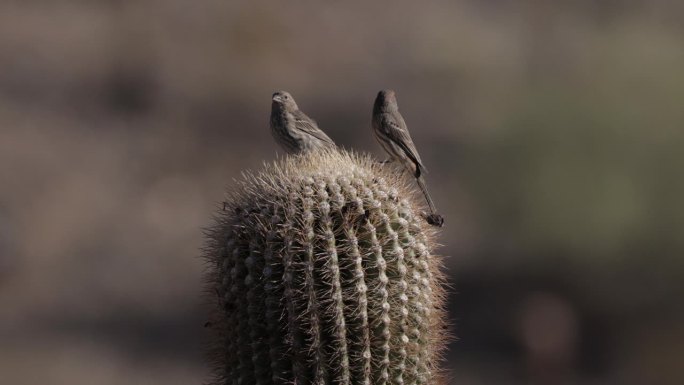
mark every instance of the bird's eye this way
{"type": "Point", "coordinates": [286, 97]}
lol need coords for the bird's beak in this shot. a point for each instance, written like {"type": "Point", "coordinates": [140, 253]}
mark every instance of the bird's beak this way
{"type": "Point", "coordinates": [277, 98]}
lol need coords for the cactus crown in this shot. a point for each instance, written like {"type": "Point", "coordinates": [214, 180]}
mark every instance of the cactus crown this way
{"type": "Point", "coordinates": [324, 275]}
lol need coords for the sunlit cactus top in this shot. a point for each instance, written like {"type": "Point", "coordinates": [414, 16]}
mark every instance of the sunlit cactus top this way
{"type": "Point", "coordinates": [323, 271]}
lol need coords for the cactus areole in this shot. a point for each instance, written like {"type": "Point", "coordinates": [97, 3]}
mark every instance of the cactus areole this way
{"type": "Point", "coordinates": [322, 271]}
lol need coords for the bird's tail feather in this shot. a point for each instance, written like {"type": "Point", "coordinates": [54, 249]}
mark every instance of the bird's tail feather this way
{"type": "Point", "coordinates": [423, 188]}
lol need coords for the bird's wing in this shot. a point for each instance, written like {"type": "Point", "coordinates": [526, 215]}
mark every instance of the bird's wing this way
{"type": "Point", "coordinates": [396, 131]}
{"type": "Point", "coordinates": [309, 126]}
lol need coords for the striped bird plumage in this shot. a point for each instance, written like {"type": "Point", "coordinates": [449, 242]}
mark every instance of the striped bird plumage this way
{"type": "Point", "coordinates": [292, 129]}
{"type": "Point", "coordinates": [391, 132]}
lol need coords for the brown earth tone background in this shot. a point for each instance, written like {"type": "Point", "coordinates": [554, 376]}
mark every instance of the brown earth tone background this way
{"type": "Point", "coordinates": [553, 132]}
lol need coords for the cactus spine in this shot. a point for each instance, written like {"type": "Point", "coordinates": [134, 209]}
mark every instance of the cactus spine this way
{"type": "Point", "coordinates": [324, 275]}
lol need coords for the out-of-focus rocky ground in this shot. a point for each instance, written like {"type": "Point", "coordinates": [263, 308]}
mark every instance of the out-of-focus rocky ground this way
{"type": "Point", "coordinates": [553, 132]}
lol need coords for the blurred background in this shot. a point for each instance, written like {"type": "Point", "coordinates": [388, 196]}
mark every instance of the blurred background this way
{"type": "Point", "coordinates": [553, 132]}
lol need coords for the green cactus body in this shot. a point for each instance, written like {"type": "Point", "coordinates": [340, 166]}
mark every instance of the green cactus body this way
{"type": "Point", "coordinates": [324, 274]}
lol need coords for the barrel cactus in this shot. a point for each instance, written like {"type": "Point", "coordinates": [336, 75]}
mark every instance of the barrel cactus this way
{"type": "Point", "coordinates": [322, 269]}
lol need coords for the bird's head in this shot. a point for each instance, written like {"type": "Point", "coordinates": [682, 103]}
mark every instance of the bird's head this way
{"type": "Point", "coordinates": [385, 101]}
{"type": "Point", "coordinates": [283, 99]}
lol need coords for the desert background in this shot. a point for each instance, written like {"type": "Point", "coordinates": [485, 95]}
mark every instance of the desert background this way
{"type": "Point", "coordinates": [553, 132]}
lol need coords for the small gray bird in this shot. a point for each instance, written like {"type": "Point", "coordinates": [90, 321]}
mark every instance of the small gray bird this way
{"type": "Point", "coordinates": [292, 129]}
{"type": "Point", "coordinates": [392, 134]}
